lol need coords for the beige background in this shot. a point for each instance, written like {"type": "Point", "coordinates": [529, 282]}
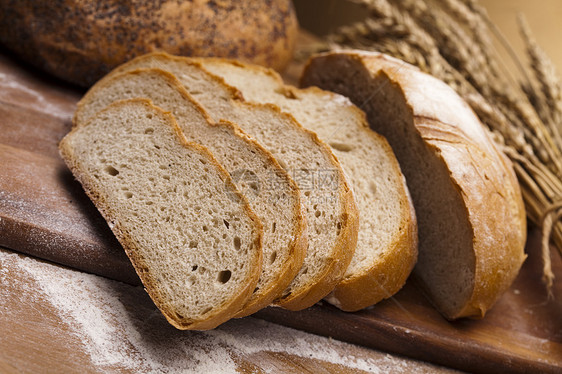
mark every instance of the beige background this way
{"type": "Point", "coordinates": [544, 17]}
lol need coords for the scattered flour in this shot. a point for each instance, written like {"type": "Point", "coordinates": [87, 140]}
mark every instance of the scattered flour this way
{"type": "Point", "coordinates": [34, 98]}
{"type": "Point", "coordinates": [122, 330]}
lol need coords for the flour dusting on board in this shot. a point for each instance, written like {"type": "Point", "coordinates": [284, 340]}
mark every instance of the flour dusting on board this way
{"type": "Point", "coordinates": [12, 86]}
{"type": "Point", "coordinates": [121, 329]}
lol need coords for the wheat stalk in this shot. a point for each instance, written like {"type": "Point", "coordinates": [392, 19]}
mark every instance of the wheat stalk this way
{"type": "Point", "coordinates": [453, 40]}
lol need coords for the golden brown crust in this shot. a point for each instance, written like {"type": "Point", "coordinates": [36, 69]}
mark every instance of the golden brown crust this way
{"type": "Point", "coordinates": [483, 177]}
{"type": "Point", "coordinates": [216, 316]}
{"type": "Point", "coordinates": [80, 41]}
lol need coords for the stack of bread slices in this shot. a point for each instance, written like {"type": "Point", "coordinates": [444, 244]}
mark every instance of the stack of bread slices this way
{"type": "Point", "coordinates": [231, 191]}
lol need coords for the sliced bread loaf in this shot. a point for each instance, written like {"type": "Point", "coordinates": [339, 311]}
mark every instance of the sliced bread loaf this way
{"type": "Point", "coordinates": [272, 193]}
{"type": "Point", "coordinates": [470, 212]}
{"type": "Point", "coordinates": [387, 245]}
{"type": "Point", "coordinates": [330, 209]}
{"type": "Point", "coordinates": [167, 201]}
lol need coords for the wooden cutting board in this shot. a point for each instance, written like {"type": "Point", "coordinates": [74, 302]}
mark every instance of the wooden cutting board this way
{"type": "Point", "coordinates": [43, 212]}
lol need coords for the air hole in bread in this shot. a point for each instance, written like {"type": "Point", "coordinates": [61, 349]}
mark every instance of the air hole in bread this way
{"type": "Point", "coordinates": [226, 223]}
{"type": "Point", "coordinates": [195, 92]}
{"type": "Point", "coordinates": [224, 276]}
{"type": "Point", "coordinates": [194, 268]}
{"type": "Point", "coordinates": [128, 195]}
{"type": "Point", "coordinates": [111, 170]}
{"type": "Point", "coordinates": [273, 257]}
{"type": "Point", "coordinates": [338, 228]}
{"type": "Point", "coordinates": [204, 162]}
{"type": "Point", "coordinates": [156, 146]}
{"type": "Point", "coordinates": [317, 213]}
{"type": "Point", "coordinates": [193, 244]}
{"type": "Point", "coordinates": [274, 227]}
{"type": "Point", "coordinates": [149, 203]}
{"type": "Point", "coordinates": [373, 187]}
{"type": "Point", "coordinates": [342, 147]}
{"type": "Point", "coordinates": [205, 228]}
{"type": "Point", "coordinates": [237, 243]}
{"type": "Point", "coordinates": [166, 177]}
{"type": "Point", "coordinates": [307, 193]}
{"type": "Point", "coordinates": [149, 130]}
{"type": "Point", "coordinates": [163, 167]}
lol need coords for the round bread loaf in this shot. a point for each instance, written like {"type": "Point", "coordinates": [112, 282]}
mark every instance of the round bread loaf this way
{"type": "Point", "coordinates": [471, 217]}
{"type": "Point", "coordinates": [80, 41]}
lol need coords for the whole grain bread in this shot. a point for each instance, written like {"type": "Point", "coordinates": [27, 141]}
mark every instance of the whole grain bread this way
{"type": "Point", "coordinates": [191, 236]}
{"type": "Point", "coordinates": [273, 195]}
{"type": "Point", "coordinates": [387, 244]}
{"type": "Point", "coordinates": [80, 41]}
{"type": "Point", "coordinates": [330, 209]}
{"type": "Point", "coordinates": [471, 217]}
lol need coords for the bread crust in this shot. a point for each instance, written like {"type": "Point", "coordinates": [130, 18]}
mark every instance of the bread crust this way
{"type": "Point", "coordinates": [483, 177]}
{"type": "Point", "coordinates": [216, 316]}
{"type": "Point", "coordinates": [298, 245]}
{"type": "Point", "coordinates": [80, 41]}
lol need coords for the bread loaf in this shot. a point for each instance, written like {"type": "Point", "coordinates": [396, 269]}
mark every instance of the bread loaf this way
{"type": "Point", "coordinates": [272, 193]}
{"type": "Point", "coordinates": [330, 209]}
{"type": "Point", "coordinates": [387, 244]}
{"type": "Point", "coordinates": [80, 41]}
{"type": "Point", "coordinates": [191, 236]}
{"type": "Point", "coordinates": [471, 217]}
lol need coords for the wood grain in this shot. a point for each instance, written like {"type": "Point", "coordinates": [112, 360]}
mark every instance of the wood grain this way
{"type": "Point", "coordinates": [43, 212]}
{"type": "Point", "coordinates": [57, 320]}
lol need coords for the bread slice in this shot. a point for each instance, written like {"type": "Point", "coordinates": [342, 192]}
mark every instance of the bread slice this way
{"type": "Point", "coordinates": [471, 216]}
{"type": "Point", "coordinates": [387, 245]}
{"type": "Point", "coordinates": [191, 236]}
{"type": "Point", "coordinates": [330, 209]}
{"type": "Point", "coordinates": [272, 193]}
